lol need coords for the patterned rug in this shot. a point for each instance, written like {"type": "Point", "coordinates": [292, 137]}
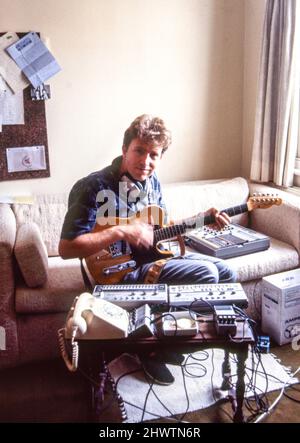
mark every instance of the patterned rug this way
{"type": "Point", "coordinates": [197, 383]}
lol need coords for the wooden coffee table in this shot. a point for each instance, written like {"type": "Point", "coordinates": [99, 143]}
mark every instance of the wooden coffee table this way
{"type": "Point", "coordinates": [96, 353]}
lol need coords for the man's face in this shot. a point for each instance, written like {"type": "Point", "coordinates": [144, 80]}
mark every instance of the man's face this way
{"type": "Point", "coordinates": [141, 159]}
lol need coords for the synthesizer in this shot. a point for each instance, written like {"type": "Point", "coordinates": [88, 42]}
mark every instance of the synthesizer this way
{"type": "Point", "coordinates": [205, 296]}
{"type": "Point", "coordinates": [231, 241]}
{"type": "Point", "coordinates": [133, 296]}
{"type": "Point", "coordinates": [198, 297]}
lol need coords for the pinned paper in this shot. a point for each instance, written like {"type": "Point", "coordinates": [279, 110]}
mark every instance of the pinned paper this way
{"type": "Point", "coordinates": [42, 92]}
{"type": "Point", "coordinates": [27, 158]}
{"type": "Point", "coordinates": [11, 105]}
{"type": "Point", "coordinates": [8, 68]}
{"type": "Point", "coordinates": [34, 59]}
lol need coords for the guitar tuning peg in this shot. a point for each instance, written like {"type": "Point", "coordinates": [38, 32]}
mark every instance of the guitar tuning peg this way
{"type": "Point", "coordinates": [254, 194]}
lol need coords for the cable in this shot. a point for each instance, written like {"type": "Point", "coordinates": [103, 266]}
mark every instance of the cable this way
{"type": "Point", "coordinates": [71, 365]}
{"type": "Point", "coordinates": [277, 399]}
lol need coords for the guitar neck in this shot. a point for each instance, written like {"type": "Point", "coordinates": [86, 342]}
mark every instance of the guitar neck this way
{"type": "Point", "coordinates": [193, 223]}
{"type": "Point", "coordinates": [235, 210]}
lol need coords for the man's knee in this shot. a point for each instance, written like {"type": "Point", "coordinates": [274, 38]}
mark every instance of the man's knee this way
{"type": "Point", "coordinates": [227, 274]}
{"type": "Point", "coordinates": [207, 273]}
{"type": "Point", "coordinates": [232, 275]}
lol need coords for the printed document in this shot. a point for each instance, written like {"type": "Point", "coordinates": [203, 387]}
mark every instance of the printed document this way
{"type": "Point", "coordinates": [8, 68]}
{"type": "Point", "coordinates": [34, 59]}
{"type": "Point", "coordinates": [27, 158]}
{"type": "Point", "coordinates": [11, 105]}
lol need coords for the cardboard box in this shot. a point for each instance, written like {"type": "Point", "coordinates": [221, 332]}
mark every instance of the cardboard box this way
{"type": "Point", "coordinates": [281, 306]}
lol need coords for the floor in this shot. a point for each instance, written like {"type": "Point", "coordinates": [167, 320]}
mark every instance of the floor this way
{"type": "Point", "coordinates": [48, 392]}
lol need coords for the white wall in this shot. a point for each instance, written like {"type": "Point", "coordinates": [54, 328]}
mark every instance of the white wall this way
{"type": "Point", "coordinates": [254, 19]}
{"type": "Point", "coordinates": [180, 59]}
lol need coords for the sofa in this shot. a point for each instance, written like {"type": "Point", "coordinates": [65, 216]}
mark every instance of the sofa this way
{"type": "Point", "coordinates": [37, 287]}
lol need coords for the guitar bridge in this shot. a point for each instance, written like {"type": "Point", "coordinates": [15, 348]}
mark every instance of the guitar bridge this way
{"type": "Point", "coordinates": [120, 267]}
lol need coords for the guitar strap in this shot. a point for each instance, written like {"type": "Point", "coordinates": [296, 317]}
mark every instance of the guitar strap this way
{"type": "Point", "coordinates": [87, 283]}
{"type": "Point", "coordinates": [156, 268]}
{"type": "Point", "coordinates": [154, 271]}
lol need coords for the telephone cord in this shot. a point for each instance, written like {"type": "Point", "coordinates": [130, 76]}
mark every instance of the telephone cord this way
{"type": "Point", "coordinates": [71, 365]}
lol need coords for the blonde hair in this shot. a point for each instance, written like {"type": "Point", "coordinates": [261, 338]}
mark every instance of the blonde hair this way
{"type": "Point", "coordinates": [149, 129]}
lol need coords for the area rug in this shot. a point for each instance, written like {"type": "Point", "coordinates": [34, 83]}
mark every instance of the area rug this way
{"type": "Point", "coordinates": [198, 383]}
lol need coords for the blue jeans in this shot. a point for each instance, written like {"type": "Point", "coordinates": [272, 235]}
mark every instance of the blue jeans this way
{"type": "Point", "coordinates": [192, 268]}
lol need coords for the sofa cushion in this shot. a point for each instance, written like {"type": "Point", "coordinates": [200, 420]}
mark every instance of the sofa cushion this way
{"type": "Point", "coordinates": [278, 258]}
{"type": "Point", "coordinates": [48, 212]}
{"type": "Point", "coordinates": [189, 198]}
{"type": "Point", "coordinates": [63, 285]}
{"type": "Point", "coordinates": [31, 255]}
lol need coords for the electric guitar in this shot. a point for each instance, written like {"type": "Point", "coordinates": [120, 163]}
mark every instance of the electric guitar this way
{"type": "Point", "coordinates": [110, 265]}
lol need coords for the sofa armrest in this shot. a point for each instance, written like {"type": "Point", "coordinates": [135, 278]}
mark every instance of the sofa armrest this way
{"type": "Point", "coordinates": [7, 229]}
{"type": "Point", "coordinates": [7, 242]}
{"type": "Point", "coordinates": [9, 340]}
{"type": "Point", "coordinates": [281, 222]}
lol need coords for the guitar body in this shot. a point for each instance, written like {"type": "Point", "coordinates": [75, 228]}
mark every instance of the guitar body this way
{"type": "Point", "coordinates": [109, 266]}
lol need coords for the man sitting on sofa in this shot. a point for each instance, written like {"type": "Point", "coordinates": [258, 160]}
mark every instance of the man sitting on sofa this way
{"type": "Point", "coordinates": [144, 143]}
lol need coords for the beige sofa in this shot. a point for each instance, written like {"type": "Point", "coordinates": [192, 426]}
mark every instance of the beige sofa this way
{"type": "Point", "coordinates": [37, 287]}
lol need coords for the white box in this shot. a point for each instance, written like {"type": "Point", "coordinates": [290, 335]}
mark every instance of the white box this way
{"type": "Point", "coordinates": [179, 323]}
{"type": "Point", "coordinates": [281, 306]}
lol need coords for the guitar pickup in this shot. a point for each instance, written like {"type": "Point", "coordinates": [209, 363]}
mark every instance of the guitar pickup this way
{"type": "Point", "coordinates": [120, 267]}
{"type": "Point", "coordinates": [119, 248]}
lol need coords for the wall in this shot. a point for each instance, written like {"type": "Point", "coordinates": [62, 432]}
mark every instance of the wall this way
{"type": "Point", "coordinates": [180, 59]}
{"type": "Point", "coordinates": [254, 20]}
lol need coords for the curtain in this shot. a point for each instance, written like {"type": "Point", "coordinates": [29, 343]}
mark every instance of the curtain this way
{"type": "Point", "coordinates": [277, 107]}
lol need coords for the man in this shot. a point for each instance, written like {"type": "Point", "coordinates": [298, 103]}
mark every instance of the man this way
{"type": "Point", "coordinates": [124, 187]}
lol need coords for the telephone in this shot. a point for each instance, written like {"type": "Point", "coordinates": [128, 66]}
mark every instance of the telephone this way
{"type": "Point", "coordinates": [91, 318]}
{"type": "Point", "coordinates": [95, 319]}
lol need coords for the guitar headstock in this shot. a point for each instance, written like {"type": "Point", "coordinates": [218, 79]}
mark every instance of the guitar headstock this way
{"type": "Point", "coordinates": [263, 201]}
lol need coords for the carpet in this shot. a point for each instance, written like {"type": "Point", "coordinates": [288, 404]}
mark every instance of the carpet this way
{"type": "Point", "coordinates": [197, 383]}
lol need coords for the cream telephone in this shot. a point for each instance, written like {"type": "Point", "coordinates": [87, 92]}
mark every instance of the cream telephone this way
{"type": "Point", "coordinates": [91, 318]}
{"type": "Point", "coordinates": [95, 319]}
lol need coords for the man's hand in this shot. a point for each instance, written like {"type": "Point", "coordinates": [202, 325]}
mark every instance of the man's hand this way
{"type": "Point", "coordinates": [138, 234]}
{"type": "Point", "coordinates": [222, 219]}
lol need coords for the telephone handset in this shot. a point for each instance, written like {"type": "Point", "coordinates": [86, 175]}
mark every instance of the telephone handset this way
{"type": "Point", "coordinates": [91, 318]}
{"type": "Point", "coordinates": [95, 319]}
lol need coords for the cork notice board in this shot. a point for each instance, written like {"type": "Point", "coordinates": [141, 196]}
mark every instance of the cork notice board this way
{"type": "Point", "coordinates": [32, 133]}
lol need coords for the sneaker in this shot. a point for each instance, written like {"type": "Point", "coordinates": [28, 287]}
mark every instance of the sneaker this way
{"type": "Point", "coordinates": [166, 356]}
{"type": "Point", "coordinates": [157, 371]}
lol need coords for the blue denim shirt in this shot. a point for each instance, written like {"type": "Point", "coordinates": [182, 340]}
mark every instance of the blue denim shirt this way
{"type": "Point", "coordinates": [101, 194]}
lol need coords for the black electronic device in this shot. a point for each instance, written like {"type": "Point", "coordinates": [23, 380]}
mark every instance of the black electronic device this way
{"type": "Point", "coordinates": [133, 296]}
{"type": "Point", "coordinates": [231, 241]}
{"type": "Point", "coordinates": [263, 344]}
{"type": "Point", "coordinates": [203, 297]}
{"type": "Point", "coordinates": [225, 320]}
